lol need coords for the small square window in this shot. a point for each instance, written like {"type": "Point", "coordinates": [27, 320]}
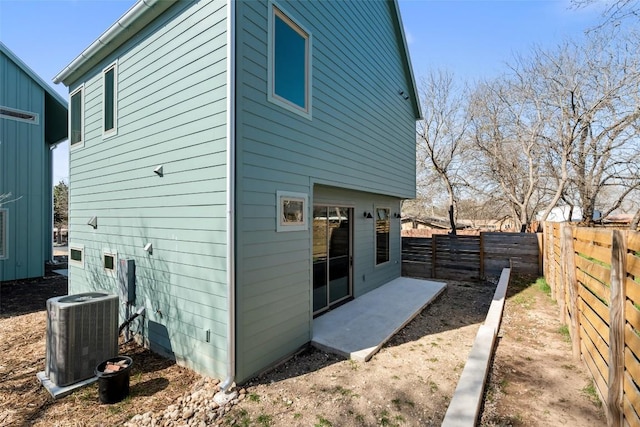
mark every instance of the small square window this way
{"type": "Point", "coordinates": [291, 211]}
{"type": "Point", "coordinates": [289, 63]}
{"type": "Point", "coordinates": [76, 255]}
{"type": "Point", "coordinates": [76, 118]}
{"type": "Point", "coordinates": [109, 261]}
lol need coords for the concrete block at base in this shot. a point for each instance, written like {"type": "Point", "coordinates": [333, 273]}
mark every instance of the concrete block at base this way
{"type": "Point", "coordinates": [467, 399]}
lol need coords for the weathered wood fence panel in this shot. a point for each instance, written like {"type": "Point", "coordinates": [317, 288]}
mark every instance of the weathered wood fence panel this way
{"type": "Point", "coordinates": [518, 251]}
{"type": "Point", "coordinates": [598, 293]}
{"type": "Point", "coordinates": [457, 257]}
{"type": "Point", "coordinates": [470, 257]}
{"type": "Point", "coordinates": [417, 257]}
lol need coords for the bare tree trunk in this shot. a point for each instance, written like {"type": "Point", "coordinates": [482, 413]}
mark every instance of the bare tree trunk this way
{"type": "Point", "coordinates": [452, 220]}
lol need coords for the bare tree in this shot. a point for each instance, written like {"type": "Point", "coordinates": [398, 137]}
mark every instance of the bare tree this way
{"type": "Point", "coordinates": [614, 12]}
{"type": "Point", "coordinates": [441, 135]}
{"type": "Point", "coordinates": [598, 83]}
{"type": "Point", "coordinates": [506, 129]}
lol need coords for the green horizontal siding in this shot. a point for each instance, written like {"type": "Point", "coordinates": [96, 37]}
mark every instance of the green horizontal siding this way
{"type": "Point", "coordinates": [361, 138]}
{"type": "Point", "coordinates": [171, 112]}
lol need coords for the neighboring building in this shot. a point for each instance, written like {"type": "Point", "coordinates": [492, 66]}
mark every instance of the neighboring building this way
{"type": "Point", "coordinates": [567, 213]}
{"type": "Point", "coordinates": [251, 158]}
{"type": "Point", "coordinates": [33, 120]}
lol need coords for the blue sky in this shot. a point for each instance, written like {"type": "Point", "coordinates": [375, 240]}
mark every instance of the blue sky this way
{"type": "Point", "coordinates": [473, 39]}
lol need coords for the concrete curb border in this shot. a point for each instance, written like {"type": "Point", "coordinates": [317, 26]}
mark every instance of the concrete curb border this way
{"type": "Point", "coordinates": [464, 407]}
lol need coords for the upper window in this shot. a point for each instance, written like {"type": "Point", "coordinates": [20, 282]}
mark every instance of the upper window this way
{"type": "Point", "coordinates": [76, 118]}
{"type": "Point", "coordinates": [110, 100]}
{"type": "Point", "coordinates": [289, 63]}
{"type": "Point", "coordinates": [382, 235]}
{"type": "Point", "coordinates": [18, 115]}
{"type": "Point", "coordinates": [3, 233]}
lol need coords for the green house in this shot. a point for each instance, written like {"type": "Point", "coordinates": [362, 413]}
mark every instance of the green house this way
{"type": "Point", "coordinates": [250, 157]}
{"type": "Point", "coordinates": [33, 120]}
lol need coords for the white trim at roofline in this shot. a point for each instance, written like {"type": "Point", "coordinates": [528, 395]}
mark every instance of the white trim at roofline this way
{"type": "Point", "coordinates": [137, 11]}
{"type": "Point", "coordinates": [409, 65]}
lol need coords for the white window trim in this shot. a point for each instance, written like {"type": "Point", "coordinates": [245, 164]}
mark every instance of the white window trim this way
{"type": "Point", "coordinates": [303, 225]}
{"type": "Point", "coordinates": [114, 254]}
{"type": "Point", "coordinates": [271, 96]}
{"type": "Point", "coordinates": [34, 121]}
{"type": "Point", "coordinates": [4, 231]}
{"type": "Point", "coordinates": [375, 236]}
{"type": "Point", "coordinates": [114, 131]}
{"type": "Point", "coordinates": [82, 124]}
{"type": "Point", "coordinates": [76, 248]}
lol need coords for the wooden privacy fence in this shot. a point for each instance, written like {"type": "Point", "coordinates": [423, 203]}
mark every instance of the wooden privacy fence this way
{"type": "Point", "coordinates": [594, 275]}
{"type": "Point", "coordinates": [445, 256]}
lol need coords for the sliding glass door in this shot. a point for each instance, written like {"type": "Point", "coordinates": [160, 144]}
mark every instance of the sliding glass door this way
{"type": "Point", "coordinates": [332, 257]}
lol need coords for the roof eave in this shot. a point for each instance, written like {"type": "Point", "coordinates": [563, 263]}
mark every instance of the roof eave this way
{"type": "Point", "coordinates": [136, 18]}
{"type": "Point", "coordinates": [32, 74]}
{"type": "Point", "coordinates": [414, 87]}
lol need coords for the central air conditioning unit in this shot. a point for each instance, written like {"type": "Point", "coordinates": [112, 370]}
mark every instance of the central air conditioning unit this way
{"type": "Point", "coordinates": [82, 331]}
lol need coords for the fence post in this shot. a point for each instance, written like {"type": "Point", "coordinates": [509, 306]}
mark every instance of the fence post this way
{"type": "Point", "coordinates": [482, 256]}
{"type": "Point", "coordinates": [616, 329]}
{"type": "Point", "coordinates": [572, 285]}
{"type": "Point", "coordinates": [562, 300]}
{"type": "Point", "coordinates": [434, 258]}
{"type": "Point", "coordinates": [552, 265]}
{"type": "Point", "coordinates": [540, 237]}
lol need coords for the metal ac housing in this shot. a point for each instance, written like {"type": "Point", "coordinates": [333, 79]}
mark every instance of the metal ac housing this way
{"type": "Point", "coordinates": [82, 331]}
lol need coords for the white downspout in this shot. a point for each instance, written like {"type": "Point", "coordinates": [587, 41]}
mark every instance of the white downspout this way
{"type": "Point", "coordinates": [231, 196]}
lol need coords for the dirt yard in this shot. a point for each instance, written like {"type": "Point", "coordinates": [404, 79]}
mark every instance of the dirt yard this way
{"type": "Point", "coordinates": [408, 383]}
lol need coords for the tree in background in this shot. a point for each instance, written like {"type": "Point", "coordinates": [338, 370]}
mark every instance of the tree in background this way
{"type": "Point", "coordinates": [60, 206]}
{"type": "Point", "coordinates": [441, 137]}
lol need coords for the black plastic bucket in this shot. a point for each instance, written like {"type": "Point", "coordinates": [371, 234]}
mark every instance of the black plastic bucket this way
{"type": "Point", "coordinates": [114, 386]}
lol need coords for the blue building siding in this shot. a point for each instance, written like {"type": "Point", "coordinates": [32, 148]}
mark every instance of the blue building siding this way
{"type": "Point", "coordinates": [171, 111]}
{"type": "Point", "coordinates": [358, 149]}
{"type": "Point", "coordinates": [25, 172]}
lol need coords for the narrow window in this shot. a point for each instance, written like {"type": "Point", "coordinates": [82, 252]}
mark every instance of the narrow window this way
{"type": "Point", "coordinates": [382, 235]}
{"type": "Point", "coordinates": [109, 107]}
{"type": "Point", "coordinates": [3, 233]}
{"type": "Point", "coordinates": [76, 118]}
{"type": "Point", "coordinates": [18, 115]}
{"type": "Point", "coordinates": [290, 71]}
{"type": "Point", "coordinates": [76, 255]}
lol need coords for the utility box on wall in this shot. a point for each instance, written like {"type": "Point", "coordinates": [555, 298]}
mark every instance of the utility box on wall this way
{"type": "Point", "coordinates": [127, 280]}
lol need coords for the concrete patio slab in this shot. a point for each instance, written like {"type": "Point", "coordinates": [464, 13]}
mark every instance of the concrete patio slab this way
{"type": "Point", "coordinates": [359, 328]}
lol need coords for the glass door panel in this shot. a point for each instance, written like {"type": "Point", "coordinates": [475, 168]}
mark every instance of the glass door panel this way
{"type": "Point", "coordinates": [331, 256]}
{"type": "Point", "coordinates": [339, 253]}
{"type": "Point", "coordinates": [320, 257]}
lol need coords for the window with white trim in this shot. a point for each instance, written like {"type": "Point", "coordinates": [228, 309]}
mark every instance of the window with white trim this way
{"type": "Point", "coordinates": [109, 261]}
{"type": "Point", "coordinates": [383, 225]}
{"type": "Point", "coordinates": [289, 63]}
{"type": "Point", "coordinates": [110, 100]}
{"type": "Point", "coordinates": [4, 221]}
{"type": "Point", "coordinates": [291, 211]}
{"type": "Point", "coordinates": [76, 118]}
{"type": "Point", "coordinates": [76, 255]}
{"type": "Point", "coordinates": [19, 115]}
